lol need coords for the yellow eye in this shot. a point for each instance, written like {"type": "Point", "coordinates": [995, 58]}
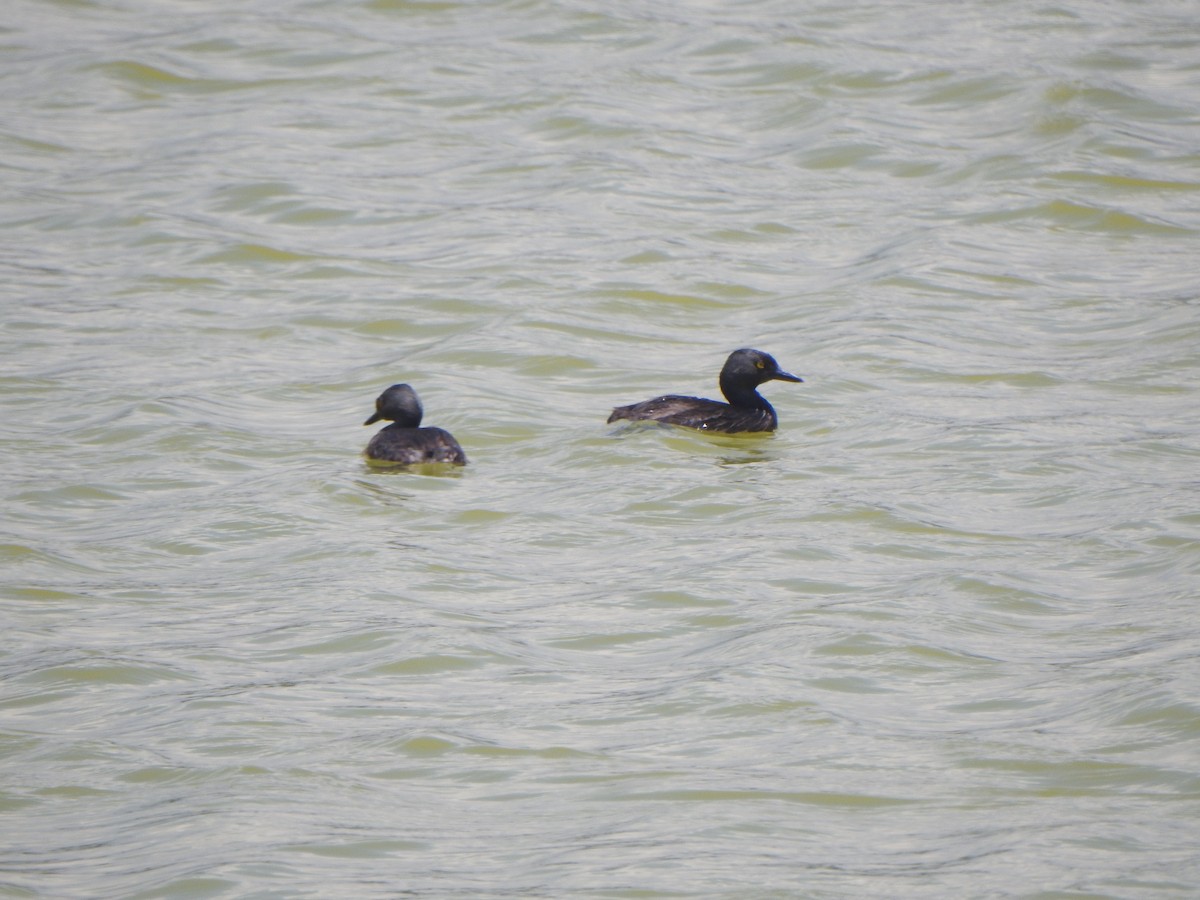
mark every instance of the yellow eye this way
{"type": "Point", "coordinates": [760, 365]}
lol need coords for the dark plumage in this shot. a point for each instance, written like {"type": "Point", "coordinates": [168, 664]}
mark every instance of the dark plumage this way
{"type": "Point", "coordinates": [404, 441]}
{"type": "Point", "coordinates": [746, 410]}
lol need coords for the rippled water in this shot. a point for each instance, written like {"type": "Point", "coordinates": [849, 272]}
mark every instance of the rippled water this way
{"type": "Point", "coordinates": [936, 637]}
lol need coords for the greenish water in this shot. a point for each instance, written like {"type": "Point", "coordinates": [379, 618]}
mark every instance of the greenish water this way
{"type": "Point", "coordinates": [936, 637]}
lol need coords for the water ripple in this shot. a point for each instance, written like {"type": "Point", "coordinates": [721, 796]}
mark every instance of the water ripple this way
{"type": "Point", "coordinates": [932, 632]}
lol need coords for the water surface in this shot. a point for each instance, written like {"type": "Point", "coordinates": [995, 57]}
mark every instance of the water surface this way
{"type": "Point", "coordinates": [935, 637]}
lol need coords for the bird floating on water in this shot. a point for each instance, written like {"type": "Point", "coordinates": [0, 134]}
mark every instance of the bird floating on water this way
{"type": "Point", "coordinates": [747, 410]}
{"type": "Point", "coordinates": [404, 441]}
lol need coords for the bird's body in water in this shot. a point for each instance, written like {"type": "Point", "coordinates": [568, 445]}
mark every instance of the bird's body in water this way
{"type": "Point", "coordinates": [746, 411]}
{"type": "Point", "coordinates": [404, 441]}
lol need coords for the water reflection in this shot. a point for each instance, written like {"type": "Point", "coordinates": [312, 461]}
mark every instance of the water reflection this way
{"type": "Point", "coordinates": [433, 470]}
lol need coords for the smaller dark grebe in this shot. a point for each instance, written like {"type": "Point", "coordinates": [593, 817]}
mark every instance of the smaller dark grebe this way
{"type": "Point", "coordinates": [746, 410]}
{"type": "Point", "coordinates": [404, 441]}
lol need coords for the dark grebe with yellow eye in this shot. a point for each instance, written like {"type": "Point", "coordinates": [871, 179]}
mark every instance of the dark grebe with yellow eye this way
{"type": "Point", "coordinates": [747, 409]}
{"type": "Point", "coordinates": [404, 441]}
